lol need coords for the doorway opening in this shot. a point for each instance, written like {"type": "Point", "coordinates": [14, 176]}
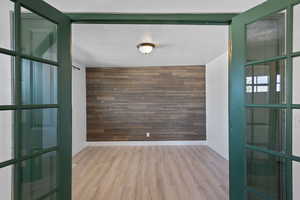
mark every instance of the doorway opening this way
{"type": "Point", "coordinates": [146, 114]}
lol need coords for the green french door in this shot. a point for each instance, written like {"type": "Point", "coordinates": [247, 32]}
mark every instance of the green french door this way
{"type": "Point", "coordinates": [35, 101]}
{"type": "Point", "coordinates": [265, 102]}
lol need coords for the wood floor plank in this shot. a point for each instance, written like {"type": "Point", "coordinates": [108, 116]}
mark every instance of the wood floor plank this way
{"type": "Point", "coordinates": [150, 173]}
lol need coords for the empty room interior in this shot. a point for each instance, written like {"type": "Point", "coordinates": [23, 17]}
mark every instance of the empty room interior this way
{"type": "Point", "coordinates": [141, 105]}
{"type": "Point", "coordinates": [159, 100]}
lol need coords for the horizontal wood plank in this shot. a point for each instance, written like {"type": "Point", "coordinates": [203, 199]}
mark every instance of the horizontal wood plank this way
{"type": "Point", "coordinates": [123, 104]}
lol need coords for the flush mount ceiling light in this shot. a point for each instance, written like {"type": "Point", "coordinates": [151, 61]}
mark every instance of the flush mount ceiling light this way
{"type": "Point", "coordinates": [146, 48]}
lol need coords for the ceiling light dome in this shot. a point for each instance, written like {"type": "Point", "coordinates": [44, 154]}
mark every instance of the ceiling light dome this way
{"type": "Point", "coordinates": [146, 48]}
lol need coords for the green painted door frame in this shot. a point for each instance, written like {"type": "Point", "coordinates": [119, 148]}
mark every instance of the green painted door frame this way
{"type": "Point", "coordinates": [237, 102]}
{"type": "Point", "coordinates": [150, 18]}
{"type": "Point", "coordinates": [63, 148]}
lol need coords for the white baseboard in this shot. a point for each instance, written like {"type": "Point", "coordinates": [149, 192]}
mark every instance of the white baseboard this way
{"type": "Point", "coordinates": [78, 149]}
{"type": "Point", "coordinates": [223, 154]}
{"type": "Point", "coordinates": [148, 143]}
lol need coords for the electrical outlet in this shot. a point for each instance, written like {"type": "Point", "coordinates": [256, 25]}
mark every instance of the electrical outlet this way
{"type": "Point", "coordinates": [147, 134]}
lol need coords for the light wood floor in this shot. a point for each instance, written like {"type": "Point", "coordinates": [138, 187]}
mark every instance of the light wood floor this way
{"type": "Point", "coordinates": [150, 173]}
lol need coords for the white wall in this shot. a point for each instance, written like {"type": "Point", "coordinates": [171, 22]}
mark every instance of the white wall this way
{"type": "Point", "coordinates": [5, 20]}
{"type": "Point", "coordinates": [296, 99]}
{"type": "Point", "coordinates": [296, 126]}
{"type": "Point", "coordinates": [6, 89]}
{"type": "Point", "coordinates": [6, 182]}
{"type": "Point", "coordinates": [296, 180]}
{"type": "Point", "coordinates": [217, 105]}
{"type": "Point", "coordinates": [79, 109]}
{"type": "Point", "coordinates": [296, 113]}
{"type": "Point", "coordinates": [6, 117]}
{"type": "Point", "coordinates": [296, 31]}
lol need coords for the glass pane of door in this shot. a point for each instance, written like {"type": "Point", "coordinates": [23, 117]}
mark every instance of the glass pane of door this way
{"type": "Point", "coordinates": [266, 37]}
{"type": "Point", "coordinates": [39, 176]}
{"type": "Point", "coordinates": [39, 36]}
{"type": "Point", "coordinates": [254, 196]}
{"type": "Point", "coordinates": [261, 123]}
{"type": "Point", "coordinates": [38, 127]}
{"type": "Point", "coordinates": [266, 174]}
{"type": "Point", "coordinates": [52, 197]}
{"type": "Point", "coordinates": [39, 130]}
{"type": "Point", "coordinates": [39, 83]}
{"type": "Point", "coordinates": [30, 106]}
{"type": "Point", "coordinates": [266, 128]}
{"type": "Point", "coordinates": [265, 83]}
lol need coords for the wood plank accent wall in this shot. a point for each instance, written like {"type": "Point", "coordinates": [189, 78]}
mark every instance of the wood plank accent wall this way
{"type": "Point", "coordinates": [123, 104]}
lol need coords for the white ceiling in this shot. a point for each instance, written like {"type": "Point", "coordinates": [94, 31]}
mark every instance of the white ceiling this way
{"type": "Point", "coordinates": [115, 45]}
{"type": "Point", "coordinates": [154, 6]}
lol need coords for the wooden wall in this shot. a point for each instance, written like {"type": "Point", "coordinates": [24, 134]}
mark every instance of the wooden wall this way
{"type": "Point", "coordinates": [126, 103]}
